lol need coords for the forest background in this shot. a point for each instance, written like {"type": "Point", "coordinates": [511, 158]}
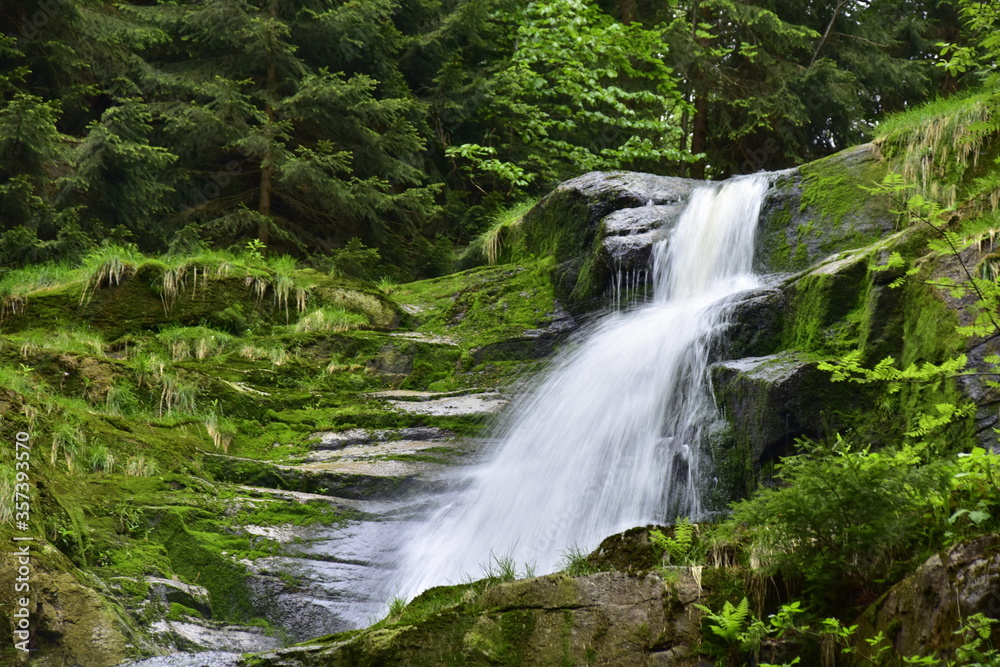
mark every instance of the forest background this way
{"type": "Point", "coordinates": [299, 125]}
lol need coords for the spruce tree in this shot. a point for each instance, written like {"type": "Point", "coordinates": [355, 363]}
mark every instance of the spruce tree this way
{"type": "Point", "coordinates": [273, 142]}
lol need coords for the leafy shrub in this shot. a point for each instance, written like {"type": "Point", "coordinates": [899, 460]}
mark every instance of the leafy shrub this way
{"type": "Point", "coordinates": [840, 515]}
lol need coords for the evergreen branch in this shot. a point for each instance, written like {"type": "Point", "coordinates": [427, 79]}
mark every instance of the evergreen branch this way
{"type": "Point", "coordinates": [954, 250]}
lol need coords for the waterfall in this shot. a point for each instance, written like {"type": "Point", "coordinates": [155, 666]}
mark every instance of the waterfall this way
{"type": "Point", "coordinates": [613, 436]}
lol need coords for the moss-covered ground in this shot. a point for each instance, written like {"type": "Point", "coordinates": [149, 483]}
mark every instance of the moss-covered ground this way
{"type": "Point", "coordinates": [153, 389]}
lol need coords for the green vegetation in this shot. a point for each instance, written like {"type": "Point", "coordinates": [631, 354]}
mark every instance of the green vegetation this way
{"type": "Point", "coordinates": [140, 375]}
{"type": "Point", "coordinates": [211, 216]}
{"type": "Point", "coordinates": [404, 126]}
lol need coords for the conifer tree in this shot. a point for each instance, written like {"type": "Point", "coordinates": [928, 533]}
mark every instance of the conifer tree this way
{"type": "Point", "coordinates": [273, 142]}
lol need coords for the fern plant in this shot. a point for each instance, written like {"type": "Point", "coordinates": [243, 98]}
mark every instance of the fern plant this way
{"type": "Point", "coordinates": [734, 632]}
{"type": "Point", "coordinates": [680, 548]}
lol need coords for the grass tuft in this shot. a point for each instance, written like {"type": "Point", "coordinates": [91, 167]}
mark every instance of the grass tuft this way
{"type": "Point", "coordinates": [492, 243]}
{"type": "Point", "coordinates": [330, 319]}
{"type": "Point", "coordinates": [935, 145]}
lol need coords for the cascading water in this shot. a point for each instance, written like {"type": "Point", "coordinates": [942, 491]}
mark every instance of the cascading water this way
{"type": "Point", "coordinates": [612, 438]}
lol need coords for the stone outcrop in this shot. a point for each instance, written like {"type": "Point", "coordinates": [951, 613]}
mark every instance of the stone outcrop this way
{"type": "Point", "coordinates": [770, 402]}
{"type": "Point", "coordinates": [601, 226]}
{"type": "Point", "coordinates": [70, 623]}
{"type": "Point", "coordinates": [822, 208]}
{"type": "Point", "coordinates": [922, 613]}
{"type": "Point", "coordinates": [608, 618]}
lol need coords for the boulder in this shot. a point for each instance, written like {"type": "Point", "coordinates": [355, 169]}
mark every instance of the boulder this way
{"type": "Point", "coordinates": [754, 325]}
{"type": "Point", "coordinates": [601, 226]}
{"type": "Point", "coordinates": [188, 595]}
{"type": "Point", "coordinates": [70, 622]}
{"type": "Point", "coordinates": [821, 208]}
{"type": "Point", "coordinates": [601, 223]}
{"type": "Point", "coordinates": [608, 618]}
{"type": "Point", "coordinates": [921, 614]}
{"type": "Point", "coordinates": [769, 402]}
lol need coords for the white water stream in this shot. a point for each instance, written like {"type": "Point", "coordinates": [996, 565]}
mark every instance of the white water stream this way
{"type": "Point", "coordinates": [613, 436]}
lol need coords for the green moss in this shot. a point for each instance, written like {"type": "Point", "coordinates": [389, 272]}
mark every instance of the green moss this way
{"type": "Point", "coordinates": [819, 317]}
{"type": "Point", "coordinates": [837, 192]}
{"type": "Point", "coordinates": [178, 612]}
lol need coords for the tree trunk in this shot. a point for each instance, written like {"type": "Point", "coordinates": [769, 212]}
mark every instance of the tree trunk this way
{"type": "Point", "coordinates": [699, 134]}
{"type": "Point", "coordinates": [628, 11]}
{"type": "Point", "coordinates": [267, 163]}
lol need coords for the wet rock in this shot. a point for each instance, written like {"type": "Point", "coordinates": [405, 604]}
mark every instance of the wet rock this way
{"type": "Point", "coordinates": [484, 403]}
{"type": "Point", "coordinates": [755, 325]}
{"type": "Point", "coordinates": [361, 464]}
{"type": "Point", "coordinates": [770, 401]}
{"type": "Point", "coordinates": [601, 223]}
{"type": "Point", "coordinates": [201, 635]}
{"type": "Point", "coordinates": [299, 613]}
{"type": "Point", "coordinates": [384, 479]}
{"type": "Point", "coordinates": [170, 590]}
{"type": "Point", "coordinates": [361, 436]}
{"type": "Point", "coordinates": [821, 208]}
{"type": "Point", "coordinates": [206, 659]}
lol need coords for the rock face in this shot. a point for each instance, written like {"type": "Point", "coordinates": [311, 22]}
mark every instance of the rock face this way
{"type": "Point", "coordinates": [601, 226]}
{"type": "Point", "coordinates": [770, 401]}
{"type": "Point", "coordinates": [921, 614]}
{"type": "Point", "coordinates": [70, 623]}
{"type": "Point", "coordinates": [608, 618]}
{"type": "Point", "coordinates": [821, 208]}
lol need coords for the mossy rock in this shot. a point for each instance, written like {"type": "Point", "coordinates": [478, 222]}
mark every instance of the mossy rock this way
{"type": "Point", "coordinates": [69, 621]}
{"type": "Point", "coordinates": [608, 618]}
{"type": "Point", "coordinates": [770, 402]}
{"type": "Point", "coordinates": [821, 208]}
{"type": "Point", "coordinates": [585, 224]}
{"type": "Point", "coordinates": [921, 614]}
{"type": "Point", "coordinates": [138, 303]}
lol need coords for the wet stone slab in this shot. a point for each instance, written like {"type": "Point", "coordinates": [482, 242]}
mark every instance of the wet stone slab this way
{"type": "Point", "coordinates": [427, 403]}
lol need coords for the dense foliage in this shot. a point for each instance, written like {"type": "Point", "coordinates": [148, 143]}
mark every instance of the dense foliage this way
{"type": "Point", "coordinates": [305, 124]}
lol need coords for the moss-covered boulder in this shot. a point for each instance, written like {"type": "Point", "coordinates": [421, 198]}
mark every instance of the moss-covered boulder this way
{"type": "Point", "coordinates": [598, 225]}
{"type": "Point", "coordinates": [608, 618]}
{"type": "Point", "coordinates": [770, 402]}
{"type": "Point", "coordinates": [69, 622]}
{"type": "Point", "coordinates": [821, 208]}
{"type": "Point", "coordinates": [922, 613]}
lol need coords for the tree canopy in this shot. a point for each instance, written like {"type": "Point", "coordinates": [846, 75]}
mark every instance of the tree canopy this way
{"type": "Point", "coordinates": [404, 123]}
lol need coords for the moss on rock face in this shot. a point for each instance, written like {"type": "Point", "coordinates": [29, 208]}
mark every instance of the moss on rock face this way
{"type": "Point", "coordinates": [821, 208]}
{"type": "Point", "coordinates": [151, 297]}
{"type": "Point", "coordinates": [921, 614]}
{"type": "Point", "coordinates": [70, 621]}
{"type": "Point", "coordinates": [770, 402]}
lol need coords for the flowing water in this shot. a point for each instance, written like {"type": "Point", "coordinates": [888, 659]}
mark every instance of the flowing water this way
{"type": "Point", "coordinates": [613, 436]}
